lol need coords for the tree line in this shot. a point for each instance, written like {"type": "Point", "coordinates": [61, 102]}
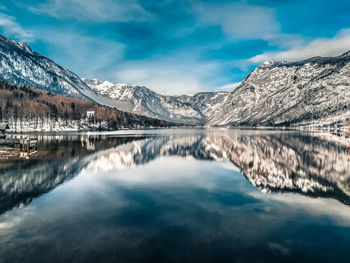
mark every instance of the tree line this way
{"type": "Point", "coordinates": [20, 105]}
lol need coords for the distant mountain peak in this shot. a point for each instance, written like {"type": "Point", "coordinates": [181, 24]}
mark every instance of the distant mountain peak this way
{"type": "Point", "coordinates": [267, 63]}
{"type": "Point", "coordinates": [25, 46]}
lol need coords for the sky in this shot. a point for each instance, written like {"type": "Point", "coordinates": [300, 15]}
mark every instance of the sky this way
{"type": "Point", "coordinates": [176, 47]}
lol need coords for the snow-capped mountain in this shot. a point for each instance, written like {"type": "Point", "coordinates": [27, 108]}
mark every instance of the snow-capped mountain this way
{"type": "Point", "coordinates": [315, 90]}
{"type": "Point", "coordinates": [275, 93]}
{"type": "Point", "coordinates": [141, 100]}
{"type": "Point", "coordinates": [20, 65]}
{"type": "Point", "coordinates": [287, 93]}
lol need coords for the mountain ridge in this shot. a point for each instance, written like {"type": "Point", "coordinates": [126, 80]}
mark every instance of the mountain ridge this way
{"type": "Point", "coordinates": [19, 64]}
{"type": "Point", "coordinates": [23, 49]}
{"type": "Point", "coordinates": [284, 93]}
{"type": "Point", "coordinates": [29, 109]}
{"type": "Point", "coordinates": [260, 100]}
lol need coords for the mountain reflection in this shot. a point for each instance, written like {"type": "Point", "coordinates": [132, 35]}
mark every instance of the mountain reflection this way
{"type": "Point", "coordinates": [273, 162]}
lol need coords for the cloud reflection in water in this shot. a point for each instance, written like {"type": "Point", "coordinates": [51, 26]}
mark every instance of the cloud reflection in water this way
{"type": "Point", "coordinates": [163, 198]}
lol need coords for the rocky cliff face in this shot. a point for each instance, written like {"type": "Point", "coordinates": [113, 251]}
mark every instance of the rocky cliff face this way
{"type": "Point", "coordinates": [20, 65]}
{"type": "Point", "coordinates": [315, 90]}
{"type": "Point", "coordinates": [287, 93]}
{"type": "Point", "coordinates": [141, 100]}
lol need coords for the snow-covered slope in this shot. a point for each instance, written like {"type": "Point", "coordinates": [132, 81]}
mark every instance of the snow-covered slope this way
{"type": "Point", "coordinates": [275, 93]}
{"type": "Point", "coordinates": [287, 93]}
{"type": "Point", "coordinates": [141, 100]}
{"type": "Point", "coordinates": [20, 65]}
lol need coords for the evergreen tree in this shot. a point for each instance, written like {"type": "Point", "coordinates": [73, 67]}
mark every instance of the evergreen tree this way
{"type": "Point", "coordinates": [8, 105]}
{"type": "Point", "coordinates": [15, 115]}
{"type": "Point", "coordinates": [1, 117]}
{"type": "Point", "coordinates": [53, 111]}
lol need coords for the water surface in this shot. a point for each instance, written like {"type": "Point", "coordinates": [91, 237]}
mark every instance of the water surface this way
{"type": "Point", "coordinates": [178, 196]}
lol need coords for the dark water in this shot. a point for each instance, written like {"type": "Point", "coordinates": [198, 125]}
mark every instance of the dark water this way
{"type": "Point", "coordinates": [178, 196]}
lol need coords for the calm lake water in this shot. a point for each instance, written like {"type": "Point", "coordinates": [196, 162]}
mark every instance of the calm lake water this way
{"type": "Point", "coordinates": [178, 196]}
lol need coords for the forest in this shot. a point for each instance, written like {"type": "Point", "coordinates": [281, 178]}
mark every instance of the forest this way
{"type": "Point", "coordinates": [26, 108]}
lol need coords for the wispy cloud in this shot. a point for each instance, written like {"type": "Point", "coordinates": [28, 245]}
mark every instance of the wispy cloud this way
{"type": "Point", "coordinates": [175, 75]}
{"type": "Point", "coordinates": [315, 206]}
{"type": "Point", "coordinates": [317, 47]}
{"type": "Point", "coordinates": [11, 28]}
{"type": "Point", "coordinates": [165, 80]}
{"type": "Point", "coordinates": [92, 10]}
{"type": "Point", "coordinates": [72, 49]}
{"type": "Point", "coordinates": [240, 19]}
{"type": "Point", "coordinates": [230, 87]}
{"type": "Point", "coordinates": [174, 46]}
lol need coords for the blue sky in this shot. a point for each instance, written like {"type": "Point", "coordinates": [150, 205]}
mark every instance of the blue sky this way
{"type": "Point", "coordinates": [176, 47]}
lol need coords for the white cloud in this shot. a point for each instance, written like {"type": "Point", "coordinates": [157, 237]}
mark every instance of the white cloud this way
{"type": "Point", "coordinates": [284, 40]}
{"type": "Point", "coordinates": [92, 10]}
{"type": "Point", "coordinates": [165, 80]}
{"type": "Point", "coordinates": [231, 86]}
{"type": "Point", "coordinates": [318, 47]}
{"type": "Point", "coordinates": [175, 74]}
{"type": "Point", "coordinates": [92, 57]}
{"type": "Point", "coordinates": [334, 209]}
{"type": "Point", "coordinates": [84, 55]}
{"type": "Point", "coordinates": [11, 28]}
{"type": "Point", "coordinates": [239, 19]}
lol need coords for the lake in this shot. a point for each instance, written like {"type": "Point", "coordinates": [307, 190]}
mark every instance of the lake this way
{"type": "Point", "coordinates": [195, 195]}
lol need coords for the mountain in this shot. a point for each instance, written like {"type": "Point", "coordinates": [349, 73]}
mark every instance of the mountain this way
{"type": "Point", "coordinates": [20, 65]}
{"type": "Point", "coordinates": [315, 90]}
{"type": "Point", "coordinates": [141, 100]}
{"type": "Point", "coordinates": [28, 109]}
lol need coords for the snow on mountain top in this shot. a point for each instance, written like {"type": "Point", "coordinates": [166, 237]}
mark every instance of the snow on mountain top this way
{"type": "Point", "coordinates": [105, 84]}
{"type": "Point", "coordinates": [25, 46]}
{"type": "Point", "coordinates": [267, 63]}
